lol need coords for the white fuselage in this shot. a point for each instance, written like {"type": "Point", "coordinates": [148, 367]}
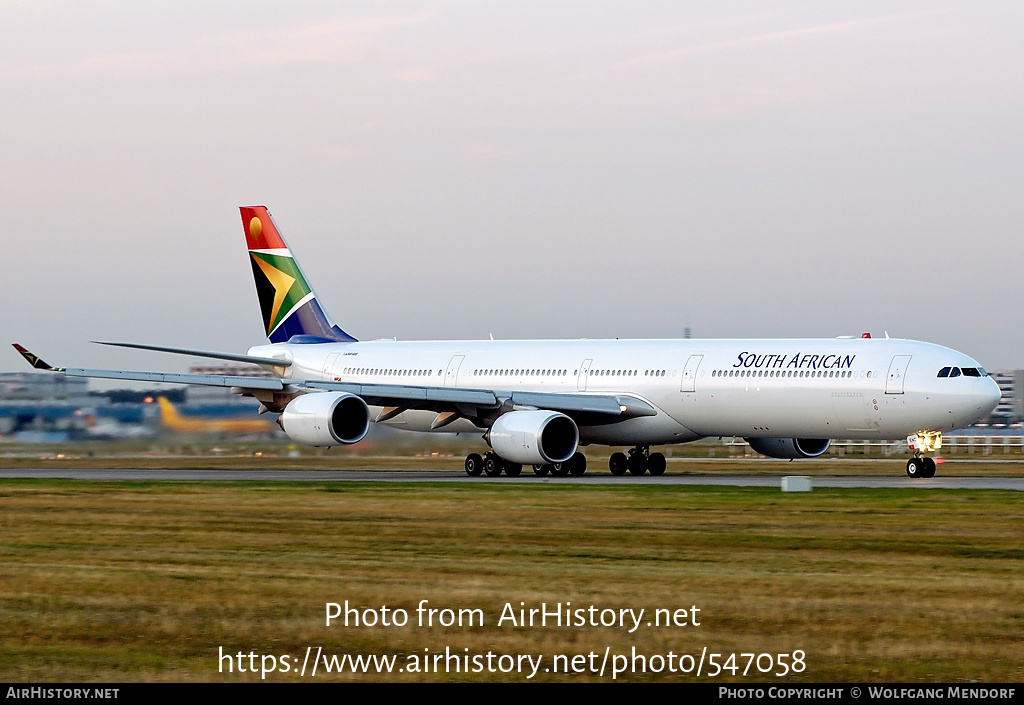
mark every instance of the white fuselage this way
{"type": "Point", "coordinates": [800, 388]}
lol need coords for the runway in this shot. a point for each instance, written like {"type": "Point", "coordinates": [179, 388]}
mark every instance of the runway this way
{"type": "Point", "coordinates": [949, 483]}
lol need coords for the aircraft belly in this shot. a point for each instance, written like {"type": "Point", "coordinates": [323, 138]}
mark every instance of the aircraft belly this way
{"type": "Point", "coordinates": [754, 411]}
{"type": "Point", "coordinates": [419, 420]}
{"type": "Point", "coordinates": [909, 413]}
{"type": "Point", "coordinates": [856, 411]}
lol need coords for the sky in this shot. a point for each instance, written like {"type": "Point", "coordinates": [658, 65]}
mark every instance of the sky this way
{"type": "Point", "coordinates": [518, 169]}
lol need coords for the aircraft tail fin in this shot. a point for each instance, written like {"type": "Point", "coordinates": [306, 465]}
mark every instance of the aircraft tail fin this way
{"type": "Point", "coordinates": [289, 306]}
{"type": "Point", "coordinates": [169, 416]}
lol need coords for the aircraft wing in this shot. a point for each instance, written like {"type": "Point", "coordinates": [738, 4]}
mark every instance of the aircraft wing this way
{"type": "Point", "coordinates": [442, 398]}
{"type": "Point", "coordinates": [592, 408]}
{"type": "Point", "coordinates": [245, 383]}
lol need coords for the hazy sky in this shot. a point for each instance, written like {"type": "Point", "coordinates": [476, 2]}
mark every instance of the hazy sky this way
{"type": "Point", "coordinates": [521, 169]}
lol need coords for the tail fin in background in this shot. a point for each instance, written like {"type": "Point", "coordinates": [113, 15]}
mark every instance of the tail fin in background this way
{"type": "Point", "coordinates": [168, 414]}
{"type": "Point", "coordinates": [288, 303]}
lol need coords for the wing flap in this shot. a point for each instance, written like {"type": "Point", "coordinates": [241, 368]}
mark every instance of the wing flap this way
{"type": "Point", "coordinates": [568, 402]}
{"type": "Point", "coordinates": [174, 378]}
{"type": "Point", "coordinates": [621, 406]}
{"type": "Point", "coordinates": [387, 394]}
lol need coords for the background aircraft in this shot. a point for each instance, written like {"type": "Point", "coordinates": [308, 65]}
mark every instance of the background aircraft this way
{"type": "Point", "coordinates": [172, 420]}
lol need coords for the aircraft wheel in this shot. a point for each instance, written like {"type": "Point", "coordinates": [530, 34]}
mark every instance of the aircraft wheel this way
{"type": "Point", "coordinates": [929, 467]}
{"type": "Point", "coordinates": [474, 464]}
{"type": "Point", "coordinates": [915, 468]}
{"type": "Point", "coordinates": [561, 469]}
{"type": "Point", "coordinates": [656, 464]}
{"type": "Point", "coordinates": [577, 464]}
{"type": "Point", "coordinates": [541, 470]}
{"type": "Point", "coordinates": [513, 469]}
{"type": "Point", "coordinates": [618, 464]}
{"type": "Point", "coordinates": [637, 465]}
{"type": "Point", "coordinates": [492, 465]}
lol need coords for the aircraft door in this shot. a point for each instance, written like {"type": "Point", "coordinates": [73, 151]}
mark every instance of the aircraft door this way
{"type": "Point", "coordinates": [897, 372]}
{"type": "Point", "coordinates": [329, 365]}
{"type": "Point", "coordinates": [452, 375]}
{"type": "Point", "coordinates": [690, 373]}
{"type": "Point", "coordinates": [581, 379]}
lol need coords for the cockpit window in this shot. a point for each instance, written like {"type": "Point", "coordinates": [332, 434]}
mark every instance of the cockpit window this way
{"type": "Point", "coordinates": [955, 372]}
{"type": "Point", "coordinates": [944, 372]}
{"type": "Point", "coordinates": [971, 372]}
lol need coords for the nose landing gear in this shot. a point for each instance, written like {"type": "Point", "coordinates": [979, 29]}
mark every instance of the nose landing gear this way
{"type": "Point", "coordinates": [921, 466]}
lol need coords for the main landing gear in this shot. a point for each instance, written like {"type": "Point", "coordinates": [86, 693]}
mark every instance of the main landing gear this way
{"type": "Point", "coordinates": [640, 460]}
{"type": "Point", "coordinates": [575, 466]}
{"type": "Point", "coordinates": [921, 466]}
{"type": "Point", "coordinates": [493, 465]}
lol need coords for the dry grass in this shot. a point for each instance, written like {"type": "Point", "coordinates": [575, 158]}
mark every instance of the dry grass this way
{"type": "Point", "coordinates": [143, 581]}
{"type": "Point", "coordinates": [448, 455]}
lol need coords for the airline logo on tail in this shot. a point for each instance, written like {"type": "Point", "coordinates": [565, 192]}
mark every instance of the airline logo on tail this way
{"type": "Point", "coordinates": [287, 301]}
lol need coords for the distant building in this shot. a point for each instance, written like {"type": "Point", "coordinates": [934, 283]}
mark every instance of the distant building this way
{"type": "Point", "coordinates": [43, 386]}
{"type": "Point", "coordinates": [1011, 396]}
{"type": "Point", "coordinates": [45, 404]}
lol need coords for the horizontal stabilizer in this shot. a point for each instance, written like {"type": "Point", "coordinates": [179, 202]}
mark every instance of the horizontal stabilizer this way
{"type": "Point", "coordinates": [233, 357]}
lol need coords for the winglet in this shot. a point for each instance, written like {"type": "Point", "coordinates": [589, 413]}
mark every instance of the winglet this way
{"type": "Point", "coordinates": [32, 359]}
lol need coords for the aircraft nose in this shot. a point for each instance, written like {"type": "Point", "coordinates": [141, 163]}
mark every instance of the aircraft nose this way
{"type": "Point", "coordinates": [989, 396]}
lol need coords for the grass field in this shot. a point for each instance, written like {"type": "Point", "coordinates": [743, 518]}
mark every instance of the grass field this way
{"type": "Point", "coordinates": [447, 454]}
{"type": "Point", "coordinates": [144, 581]}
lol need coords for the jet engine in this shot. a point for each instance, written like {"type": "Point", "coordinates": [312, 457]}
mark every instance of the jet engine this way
{"type": "Point", "coordinates": [789, 448]}
{"type": "Point", "coordinates": [326, 419]}
{"type": "Point", "coordinates": [534, 437]}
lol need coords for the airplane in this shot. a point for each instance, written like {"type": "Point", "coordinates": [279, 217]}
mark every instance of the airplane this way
{"type": "Point", "coordinates": [537, 402]}
{"type": "Point", "coordinates": [111, 429]}
{"type": "Point", "coordinates": [172, 420]}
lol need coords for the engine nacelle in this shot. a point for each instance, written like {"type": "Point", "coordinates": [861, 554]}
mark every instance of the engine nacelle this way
{"type": "Point", "coordinates": [326, 419]}
{"type": "Point", "coordinates": [534, 437]}
{"type": "Point", "coordinates": [789, 448]}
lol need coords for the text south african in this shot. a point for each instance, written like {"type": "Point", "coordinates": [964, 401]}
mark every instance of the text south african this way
{"type": "Point", "coordinates": [796, 361]}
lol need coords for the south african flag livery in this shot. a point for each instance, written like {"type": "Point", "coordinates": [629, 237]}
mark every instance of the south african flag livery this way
{"type": "Point", "coordinates": [290, 309]}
